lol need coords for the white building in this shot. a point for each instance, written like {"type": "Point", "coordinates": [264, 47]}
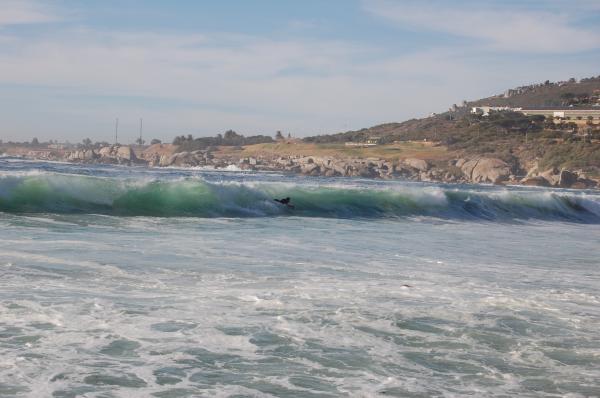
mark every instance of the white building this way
{"type": "Point", "coordinates": [485, 110]}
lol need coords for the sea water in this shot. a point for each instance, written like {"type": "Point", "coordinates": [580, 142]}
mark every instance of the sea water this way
{"type": "Point", "coordinates": [134, 282]}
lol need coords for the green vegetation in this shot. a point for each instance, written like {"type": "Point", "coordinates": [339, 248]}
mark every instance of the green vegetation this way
{"type": "Point", "coordinates": [572, 155]}
{"type": "Point", "coordinates": [473, 134]}
{"type": "Point", "coordinates": [230, 138]}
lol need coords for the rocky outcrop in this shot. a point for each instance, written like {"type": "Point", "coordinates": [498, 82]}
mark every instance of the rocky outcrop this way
{"type": "Point", "coordinates": [82, 155]}
{"type": "Point", "coordinates": [465, 170]}
{"type": "Point", "coordinates": [418, 164]}
{"type": "Point", "coordinates": [485, 170]}
{"type": "Point", "coordinates": [535, 181]}
{"type": "Point", "coordinates": [552, 176]}
{"type": "Point", "coordinates": [185, 159]}
{"type": "Point", "coordinates": [491, 170]}
{"type": "Point", "coordinates": [567, 178]}
{"type": "Point", "coordinates": [555, 178]}
{"type": "Point", "coordinates": [118, 154]}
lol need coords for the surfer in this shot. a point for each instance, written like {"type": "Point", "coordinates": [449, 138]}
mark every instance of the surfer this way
{"type": "Point", "coordinates": [285, 201]}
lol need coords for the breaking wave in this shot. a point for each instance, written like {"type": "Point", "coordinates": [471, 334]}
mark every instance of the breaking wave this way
{"type": "Point", "coordinates": [194, 197]}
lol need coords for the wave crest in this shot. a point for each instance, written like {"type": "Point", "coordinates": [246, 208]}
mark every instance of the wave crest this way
{"type": "Point", "coordinates": [58, 193]}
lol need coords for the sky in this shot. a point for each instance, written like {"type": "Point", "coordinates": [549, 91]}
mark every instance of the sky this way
{"type": "Point", "coordinates": [69, 68]}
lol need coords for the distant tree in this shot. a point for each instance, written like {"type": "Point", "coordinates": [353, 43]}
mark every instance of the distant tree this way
{"type": "Point", "coordinates": [289, 136]}
{"type": "Point", "coordinates": [86, 142]}
{"type": "Point", "coordinates": [230, 135]}
{"type": "Point", "coordinates": [140, 141]}
{"type": "Point", "coordinates": [278, 135]}
{"type": "Point", "coordinates": [547, 82]}
{"type": "Point", "coordinates": [155, 141]}
{"type": "Point", "coordinates": [179, 140]}
{"type": "Point", "coordinates": [35, 142]}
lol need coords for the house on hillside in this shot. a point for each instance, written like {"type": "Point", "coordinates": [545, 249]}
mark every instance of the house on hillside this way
{"type": "Point", "coordinates": [578, 115]}
{"type": "Point", "coordinates": [485, 110]}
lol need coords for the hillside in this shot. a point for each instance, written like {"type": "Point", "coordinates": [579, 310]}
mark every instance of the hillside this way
{"type": "Point", "coordinates": [545, 94]}
{"type": "Point", "coordinates": [511, 136]}
{"type": "Point", "coordinates": [440, 127]}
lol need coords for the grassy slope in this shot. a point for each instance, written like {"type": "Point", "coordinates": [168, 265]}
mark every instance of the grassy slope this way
{"type": "Point", "coordinates": [338, 150]}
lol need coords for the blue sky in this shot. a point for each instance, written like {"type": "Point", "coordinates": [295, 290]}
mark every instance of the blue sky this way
{"type": "Point", "coordinates": [69, 68]}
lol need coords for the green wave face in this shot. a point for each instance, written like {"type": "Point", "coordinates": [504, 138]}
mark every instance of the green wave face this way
{"type": "Point", "coordinates": [65, 194]}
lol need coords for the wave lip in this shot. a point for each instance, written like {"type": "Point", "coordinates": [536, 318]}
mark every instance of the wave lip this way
{"type": "Point", "coordinates": [193, 197]}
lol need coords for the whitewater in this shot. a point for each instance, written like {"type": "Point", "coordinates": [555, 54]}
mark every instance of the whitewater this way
{"type": "Point", "coordinates": [135, 282]}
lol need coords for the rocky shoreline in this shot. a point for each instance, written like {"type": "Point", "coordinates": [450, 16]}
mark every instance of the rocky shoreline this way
{"type": "Point", "coordinates": [475, 170]}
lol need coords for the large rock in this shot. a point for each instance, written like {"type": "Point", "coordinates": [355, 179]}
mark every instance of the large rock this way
{"type": "Point", "coordinates": [418, 164]}
{"type": "Point", "coordinates": [367, 171]}
{"type": "Point", "coordinates": [552, 176]}
{"type": "Point", "coordinates": [567, 178]}
{"type": "Point", "coordinates": [105, 152]}
{"type": "Point", "coordinates": [117, 154]}
{"type": "Point", "coordinates": [341, 167]}
{"type": "Point", "coordinates": [125, 153]}
{"type": "Point", "coordinates": [536, 181]}
{"type": "Point", "coordinates": [166, 160]}
{"type": "Point", "coordinates": [467, 167]}
{"type": "Point", "coordinates": [82, 155]}
{"type": "Point", "coordinates": [310, 168]}
{"type": "Point", "coordinates": [491, 170]}
{"type": "Point", "coordinates": [583, 183]}
{"type": "Point", "coordinates": [460, 162]}
{"type": "Point", "coordinates": [486, 170]}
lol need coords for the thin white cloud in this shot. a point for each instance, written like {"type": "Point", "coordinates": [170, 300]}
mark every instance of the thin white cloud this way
{"type": "Point", "coordinates": [251, 83]}
{"type": "Point", "coordinates": [18, 12]}
{"type": "Point", "coordinates": [510, 29]}
{"type": "Point", "coordinates": [75, 81]}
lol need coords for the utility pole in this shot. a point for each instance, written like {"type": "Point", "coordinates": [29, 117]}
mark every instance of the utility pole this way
{"type": "Point", "coordinates": [117, 131]}
{"type": "Point", "coordinates": [141, 142]}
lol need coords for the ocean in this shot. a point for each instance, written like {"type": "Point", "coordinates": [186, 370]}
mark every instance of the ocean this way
{"type": "Point", "coordinates": [135, 282]}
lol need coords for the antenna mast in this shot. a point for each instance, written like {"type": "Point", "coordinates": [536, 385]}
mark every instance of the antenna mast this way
{"type": "Point", "coordinates": [117, 131]}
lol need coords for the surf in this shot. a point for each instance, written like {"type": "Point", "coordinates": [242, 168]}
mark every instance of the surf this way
{"type": "Point", "coordinates": [197, 197]}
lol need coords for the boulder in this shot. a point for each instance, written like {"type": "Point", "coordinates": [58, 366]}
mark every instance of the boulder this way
{"type": "Point", "coordinates": [309, 168]}
{"type": "Point", "coordinates": [490, 170]}
{"type": "Point", "coordinates": [105, 151]}
{"type": "Point", "coordinates": [467, 167]}
{"type": "Point", "coordinates": [330, 173]}
{"type": "Point", "coordinates": [341, 168]}
{"type": "Point", "coordinates": [366, 171]}
{"type": "Point", "coordinates": [418, 164]}
{"type": "Point", "coordinates": [583, 183]}
{"type": "Point", "coordinates": [537, 181]}
{"type": "Point", "coordinates": [567, 178]}
{"type": "Point", "coordinates": [82, 155]}
{"type": "Point", "coordinates": [166, 160]}
{"type": "Point", "coordinates": [552, 176]}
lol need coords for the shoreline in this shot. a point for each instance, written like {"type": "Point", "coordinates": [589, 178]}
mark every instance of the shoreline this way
{"type": "Point", "coordinates": [476, 170]}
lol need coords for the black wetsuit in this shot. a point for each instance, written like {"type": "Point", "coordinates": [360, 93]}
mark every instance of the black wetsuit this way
{"type": "Point", "coordinates": [285, 201]}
